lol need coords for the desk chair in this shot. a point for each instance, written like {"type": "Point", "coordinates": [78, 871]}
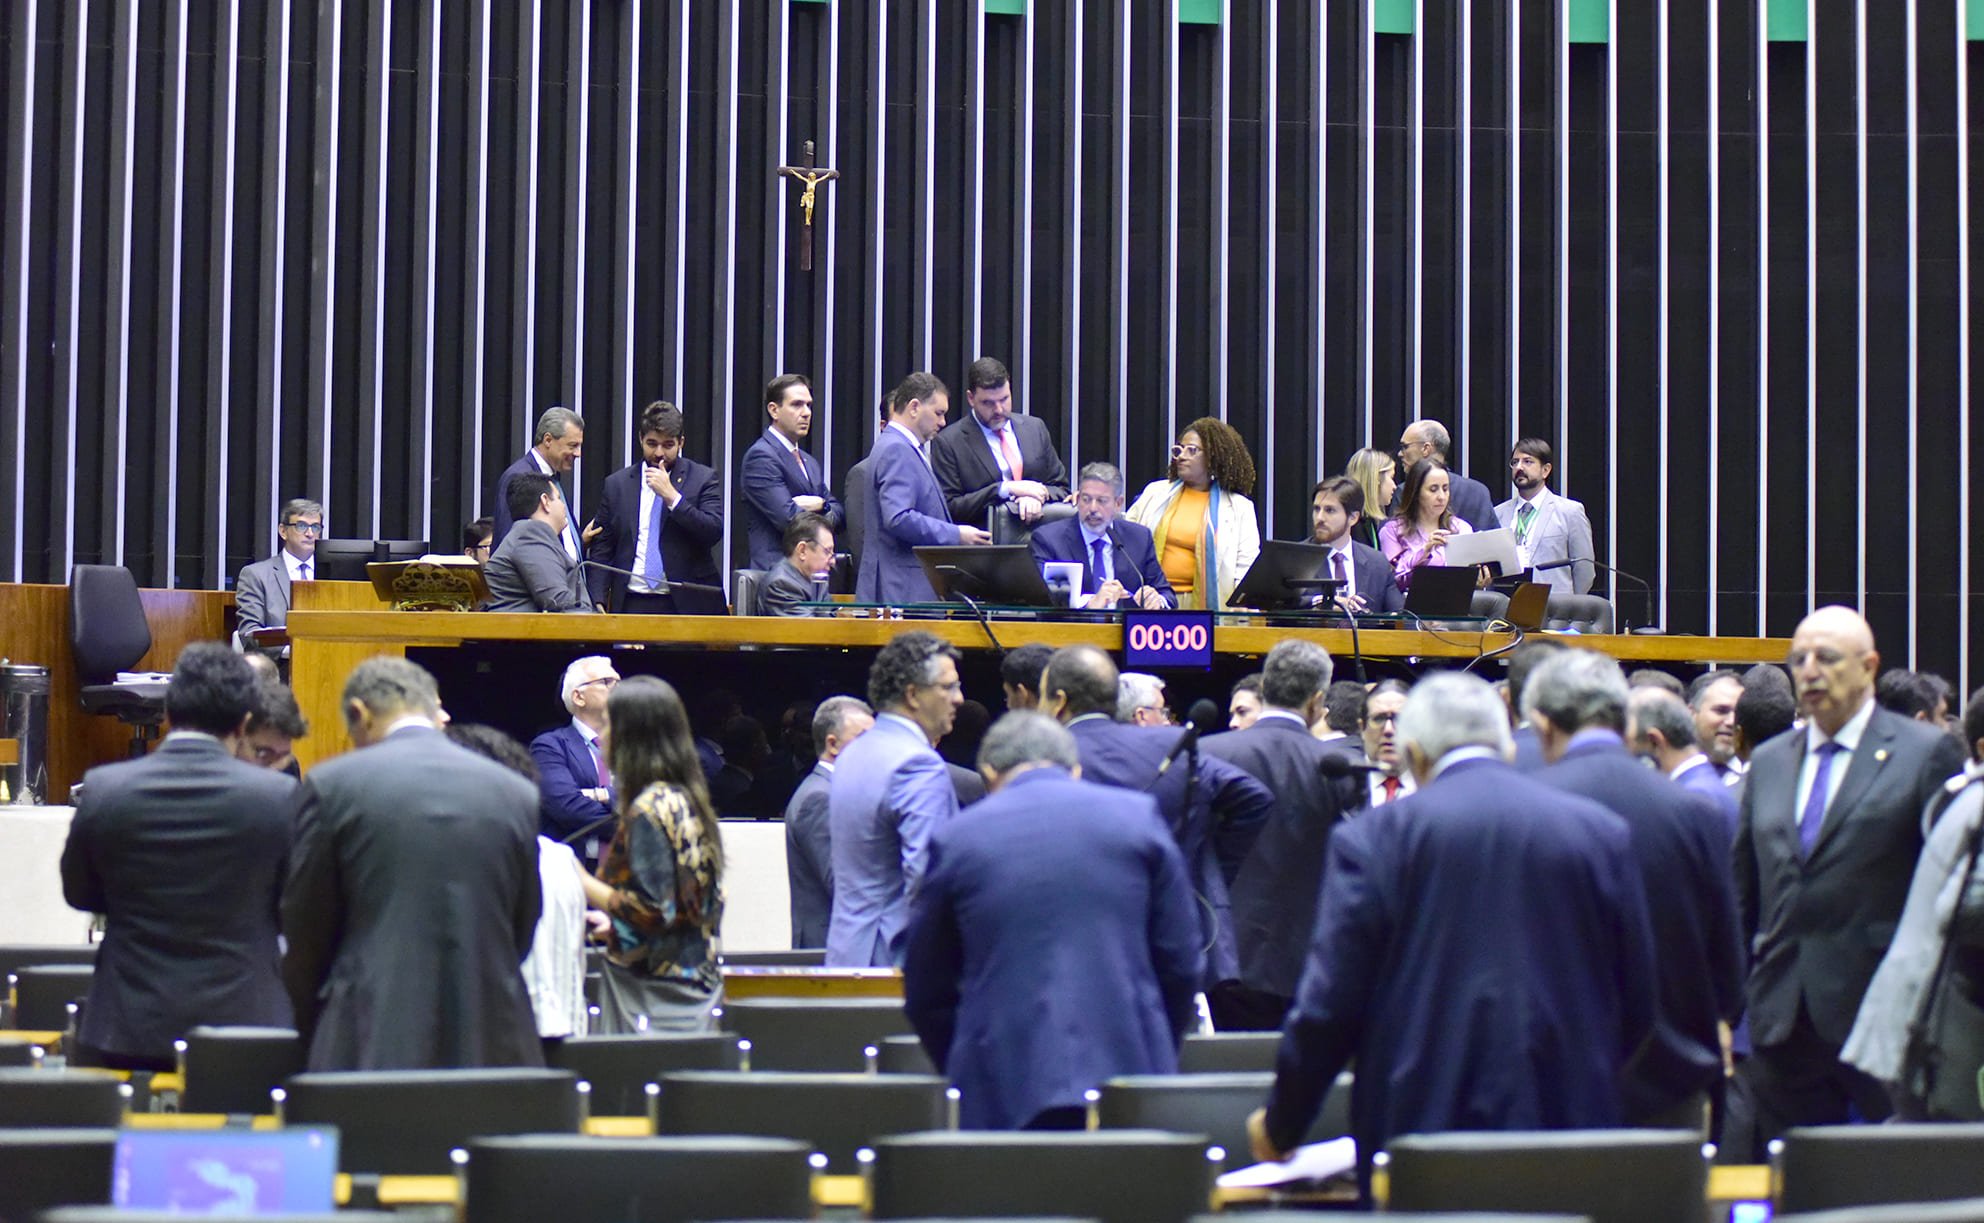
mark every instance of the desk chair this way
{"type": "Point", "coordinates": [899, 1055]}
{"type": "Point", "coordinates": [621, 1067]}
{"type": "Point", "coordinates": [1006, 527]}
{"type": "Point", "coordinates": [1116, 1176]}
{"type": "Point", "coordinates": [1827, 1167]}
{"type": "Point", "coordinates": [1968, 1210]}
{"type": "Point", "coordinates": [834, 1114]}
{"type": "Point", "coordinates": [16, 956]}
{"type": "Point", "coordinates": [405, 1122]}
{"type": "Point", "coordinates": [655, 1180]}
{"type": "Point", "coordinates": [69, 1099]}
{"type": "Point", "coordinates": [1220, 1052]}
{"type": "Point", "coordinates": [45, 1168]}
{"type": "Point", "coordinates": [43, 992]}
{"type": "Point", "coordinates": [18, 1053]}
{"type": "Point", "coordinates": [1215, 1105]}
{"type": "Point", "coordinates": [1584, 613]}
{"type": "Point", "coordinates": [744, 591]}
{"type": "Point", "coordinates": [814, 1035]}
{"type": "Point", "coordinates": [108, 634]}
{"type": "Point", "coordinates": [233, 1069]}
{"type": "Point", "coordinates": [1614, 1176]}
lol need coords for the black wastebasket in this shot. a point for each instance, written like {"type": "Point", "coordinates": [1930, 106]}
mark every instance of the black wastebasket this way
{"type": "Point", "coordinates": [24, 718]}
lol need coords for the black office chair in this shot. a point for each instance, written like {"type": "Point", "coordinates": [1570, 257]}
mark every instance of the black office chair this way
{"type": "Point", "coordinates": [17, 1053]}
{"type": "Point", "coordinates": [405, 1122]}
{"type": "Point", "coordinates": [70, 1099]}
{"type": "Point", "coordinates": [40, 1169]}
{"type": "Point", "coordinates": [1968, 1210]}
{"type": "Point", "coordinates": [805, 1034]}
{"type": "Point", "coordinates": [653, 1180]}
{"type": "Point", "coordinates": [1215, 1105]}
{"type": "Point", "coordinates": [1614, 1176]}
{"type": "Point", "coordinates": [1006, 527]}
{"type": "Point", "coordinates": [42, 994]}
{"type": "Point", "coordinates": [107, 634]}
{"type": "Point", "coordinates": [899, 1055]}
{"type": "Point", "coordinates": [835, 1114]}
{"type": "Point", "coordinates": [620, 1067]}
{"type": "Point", "coordinates": [16, 956]}
{"type": "Point", "coordinates": [233, 1069]}
{"type": "Point", "coordinates": [1222, 1052]}
{"type": "Point", "coordinates": [1579, 613]}
{"type": "Point", "coordinates": [1116, 1176]}
{"type": "Point", "coordinates": [744, 591]}
{"type": "Point", "coordinates": [1832, 1166]}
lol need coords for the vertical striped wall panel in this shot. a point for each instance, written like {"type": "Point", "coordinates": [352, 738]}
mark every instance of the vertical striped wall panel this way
{"type": "Point", "coordinates": [349, 249]}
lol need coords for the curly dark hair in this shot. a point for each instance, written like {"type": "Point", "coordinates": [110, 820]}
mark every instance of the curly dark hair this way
{"type": "Point", "coordinates": [649, 743]}
{"type": "Point", "coordinates": [1227, 460]}
{"type": "Point", "coordinates": [1415, 483]}
{"type": "Point", "coordinates": [909, 658]}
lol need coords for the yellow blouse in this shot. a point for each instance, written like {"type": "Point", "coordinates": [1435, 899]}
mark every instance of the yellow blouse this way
{"type": "Point", "coordinates": [1181, 543]}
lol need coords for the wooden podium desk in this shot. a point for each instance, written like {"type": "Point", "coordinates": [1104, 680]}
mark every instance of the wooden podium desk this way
{"type": "Point", "coordinates": [327, 644]}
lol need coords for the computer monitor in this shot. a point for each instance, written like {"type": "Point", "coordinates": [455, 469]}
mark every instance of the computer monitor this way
{"type": "Point", "coordinates": [343, 560]}
{"type": "Point", "coordinates": [399, 549]}
{"type": "Point", "coordinates": [1441, 592]}
{"type": "Point", "coordinates": [1266, 587]}
{"type": "Point", "coordinates": [997, 574]}
{"type": "Point", "coordinates": [226, 1171]}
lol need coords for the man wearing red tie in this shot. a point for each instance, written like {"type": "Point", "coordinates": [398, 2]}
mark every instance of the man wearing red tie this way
{"type": "Point", "coordinates": [991, 457]}
{"type": "Point", "coordinates": [1381, 710]}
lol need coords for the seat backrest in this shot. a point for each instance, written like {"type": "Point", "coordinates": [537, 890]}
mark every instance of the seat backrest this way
{"type": "Point", "coordinates": [1488, 604]}
{"type": "Point", "coordinates": [68, 1098]}
{"type": "Point", "coordinates": [620, 1067]}
{"type": "Point", "coordinates": [107, 628]}
{"type": "Point", "coordinates": [1215, 1105]}
{"type": "Point", "coordinates": [1117, 1176]}
{"type": "Point", "coordinates": [44, 1168]}
{"type": "Point", "coordinates": [1827, 1167]}
{"type": "Point", "coordinates": [15, 1052]}
{"type": "Point", "coordinates": [405, 1122]}
{"type": "Point", "coordinates": [16, 956]}
{"type": "Point", "coordinates": [744, 594]}
{"type": "Point", "coordinates": [1217, 1052]}
{"type": "Point", "coordinates": [1967, 1210]}
{"type": "Point", "coordinates": [835, 1114]}
{"type": "Point", "coordinates": [653, 1180]}
{"type": "Point", "coordinates": [43, 992]}
{"type": "Point", "coordinates": [1614, 1176]}
{"type": "Point", "coordinates": [901, 1055]}
{"type": "Point", "coordinates": [233, 1069]}
{"type": "Point", "coordinates": [1006, 527]}
{"type": "Point", "coordinates": [1583, 613]}
{"type": "Point", "coordinates": [808, 1034]}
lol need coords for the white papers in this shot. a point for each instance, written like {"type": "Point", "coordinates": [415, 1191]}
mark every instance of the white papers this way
{"type": "Point", "coordinates": [1317, 1161]}
{"type": "Point", "coordinates": [449, 559]}
{"type": "Point", "coordinates": [1496, 547]}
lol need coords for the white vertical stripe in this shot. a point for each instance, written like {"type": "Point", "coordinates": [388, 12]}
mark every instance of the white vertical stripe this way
{"type": "Point", "coordinates": [1860, 293]}
{"type": "Point", "coordinates": [1914, 341]}
{"type": "Point", "coordinates": [1417, 286]}
{"type": "Point", "coordinates": [377, 139]}
{"type": "Point", "coordinates": [1715, 313]}
{"type": "Point", "coordinates": [1763, 320]}
{"type": "Point", "coordinates": [118, 388]}
{"type": "Point", "coordinates": [726, 381]}
{"type": "Point", "coordinates": [1071, 277]}
{"type": "Point", "coordinates": [69, 308]}
{"type": "Point", "coordinates": [324, 246]}
{"type": "Point", "coordinates": [1023, 239]}
{"type": "Point", "coordinates": [678, 86]}
{"type": "Point", "coordinates": [1168, 333]}
{"type": "Point", "coordinates": [1464, 259]}
{"type": "Point", "coordinates": [974, 270]}
{"type": "Point", "coordinates": [476, 374]}
{"type": "Point", "coordinates": [878, 155]}
{"type": "Point", "coordinates": [1222, 224]}
{"type": "Point", "coordinates": [777, 101]}
{"type": "Point", "coordinates": [21, 106]}
{"type": "Point", "coordinates": [1963, 352]}
{"type": "Point", "coordinates": [430, 181]}
{"type": "Point", "coordinates": [1563, 246]}
{"type": "Point", "coordinates": [1811, 310]}
{"type": "Point", "coordinates": [1515, 231]}
{"type": "Point", "coordinates": [927, 181]}
{"type": "Point", "coordinates": [1662, 369]}
{"type": "Point", "coordinates": [1367, 157]}
{"type": "Point", "coordinates": [1612, 298]}
{"type": "Point", "coordinates": [829, 152]}
{"type": "Point", "coordinates": [1270, 193]}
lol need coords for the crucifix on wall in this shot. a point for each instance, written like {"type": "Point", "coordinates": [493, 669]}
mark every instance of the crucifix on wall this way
{"type": "Point", "coordinates": [812, 176]}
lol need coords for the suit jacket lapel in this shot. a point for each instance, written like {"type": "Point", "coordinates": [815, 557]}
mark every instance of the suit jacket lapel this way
{"type": "Point", "coordinates": [1867, 761]}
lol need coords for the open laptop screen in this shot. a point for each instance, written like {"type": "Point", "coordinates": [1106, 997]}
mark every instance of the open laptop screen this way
{"type": "Point", "coordinates": [227, 1171]}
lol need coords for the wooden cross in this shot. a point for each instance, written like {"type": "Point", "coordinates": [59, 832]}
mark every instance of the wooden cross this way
{"type": "Point", "coordinates": [806, 173]}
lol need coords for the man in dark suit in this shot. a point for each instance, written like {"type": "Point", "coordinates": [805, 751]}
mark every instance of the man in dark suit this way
{"type": "Point", "coordinates": [1482, 950]}
{"type": "Point", "coordinates": [1713, 696]}
{"type": "Point", "coordinates": [555, 445]}
{"type": "Point", "coordinates": [1214, 823]}
{"type": "Point", "coordinates": [413, 892]}
{"type": "Point", "coordinates": [1274, 895]}
{"type": "Point", "coordinates": [1825, 851]}
{"type": "Point", "coordinates": [781, 481]}
{"type": "Point", "coordinates": [1527, 657]}
{"type": "Point", "coordinates": [1660, 728]}
{"type": "Point", "coordinates": [907, 509]}
{"type": "Point", "coordinates": [1577, 702]}
{"type": "Point", "coordinates": [800, 575]}
{"type": "Point", "coordinates": [991, 457]}
{"type": "Point", "coordinates": [1033, 976]}
{"type": "Point", "coordinates": [531, 570]}
{"type": "Point", "coordinates": [809, 852]}
{"type": "Point", "coordinates": [261, 591]}
{"type": "Point", "coordinates": [1394, 780]}
{"type": "Point", "coordinates": [1117, 556]}
{"type": "Point", "coordinates": [1336, 506]}
{"type": "Point", "coordinates": [861, 488]}
{"type": "Point", "coordinates": [182, 851]}
{"type": "Point", "coordinates": [1470, 500]}
{"type": "Point", "coordinates": [575, 788]}
{"type": "Point", "coordinates": [659, 519]}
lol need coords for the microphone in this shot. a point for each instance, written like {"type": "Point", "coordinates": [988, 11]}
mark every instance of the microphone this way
{"type": "Point", "coordinates": [1202, 714]}
{"type": "Point", "coordinates": [662, 585]}
{"type": "Point", "coordinates": [1647, 629]}
{"type": "Point", "coordinates": [984, 621]}
{"type": "Point", "coordinates": [1336, 765]}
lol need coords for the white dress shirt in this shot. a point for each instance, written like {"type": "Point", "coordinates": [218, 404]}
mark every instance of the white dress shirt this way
{"type": "Point", "coordinates": [571, 523]}
{"type": "Point", "coordinates": [299, 570]}
{"type": "Point", "coordinates": [1848, 740]}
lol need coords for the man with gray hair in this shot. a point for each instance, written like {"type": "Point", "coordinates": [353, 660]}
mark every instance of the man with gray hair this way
{"type": "Point", "coordinates": [1470, 500]}
{"type": "Point", "coordinates": [413, 892]}
{"type": "Point", "coordinates": [1140, 700]}
{"type": "Point", "coordinates": [555, 446]}
{"type": "Point", "coordinates": [261, 591]}
{"type": "Point", "coordinates": [1660, 727]}
{"type": "Point", "coordinates": [1488, 918]}
{"type": "Point", "coordinates": [1274, 895]}
{"type": "Point", "coordinates": [1034, 976]}
{"type": "Point", "coordinates": [809, 861]}
{"type": "Point", "coordinates": [1577, 702]}
{"type": "Point", "coordinates": [1118, 557]}
{"type": "Point", "coordinates": [572, 776]}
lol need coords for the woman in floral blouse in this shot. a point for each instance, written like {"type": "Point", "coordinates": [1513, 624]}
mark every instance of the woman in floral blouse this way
{"type": "Point", "coordinates": [661, 879]}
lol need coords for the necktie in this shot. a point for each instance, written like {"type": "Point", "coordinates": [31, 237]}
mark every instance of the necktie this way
{"type": "Point", "coordinates": [1342, 576]}
{"type": "Point", "coordinates": [599, 765]}
{"type": "Point", "coordinates": [1012, 452]}
{"type": "Point", "coordinates": [655, 570]}
{"type": "Point", "coordinates": [303, 572]}
{"type": "Point", "coordinates": [1523, 516]}
{"type": "Point", "coordinates": [1391, 785]}
{"type": "Point", "coordinates": [1094, 582]}
{"type": "Point", "coordinates": [805, 476]}
{"type": "Point", "coordinates": [1815, 803]}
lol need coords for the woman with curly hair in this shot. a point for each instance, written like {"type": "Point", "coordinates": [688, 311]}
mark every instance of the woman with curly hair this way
{"type": "Point", "coordinates": [1204, 525]}
{"type": "Point", "coordinates": [1417, 535]}
{"type": "Point", "coordinates": [1377, 474]}
{"type": "Point", "coordinates": [661, 879]}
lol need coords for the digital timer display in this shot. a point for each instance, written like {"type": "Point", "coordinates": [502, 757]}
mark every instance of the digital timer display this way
{"type": "Point", "coordinates": [1167, 639]}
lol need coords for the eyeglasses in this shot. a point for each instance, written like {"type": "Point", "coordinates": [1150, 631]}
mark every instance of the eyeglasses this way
{"type": "Point", "coordinates": [1382, 719]}
{"type": "Point", "coordinates": [481, 547]}
{"type": "Point", "coordinates": [305, 528]}
{"type": "Point", "coordinates": [1180, 452]}
{"type": "Point", "coordinates": [604, 680]}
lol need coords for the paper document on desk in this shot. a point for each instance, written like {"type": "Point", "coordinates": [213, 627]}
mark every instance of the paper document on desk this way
{"type": "Point", "coordinates": [1493, 547]}
{"type": "Point", "coordinates": [1065, 571]}
{"type": "Point", "coordinates": [1315, 1161]}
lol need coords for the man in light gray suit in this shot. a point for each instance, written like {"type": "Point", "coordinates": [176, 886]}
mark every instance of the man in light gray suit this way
{"type": "Point", "coordinates": [890, 791]}
{"type": "Point", "coordinates": [531, 570]}
{"type": "Point", "coordinates": [809, 863]}
{"type": "Point", "coordinates": [1547, 527]}
{"type": "Point", "coordinates": [261, 592]}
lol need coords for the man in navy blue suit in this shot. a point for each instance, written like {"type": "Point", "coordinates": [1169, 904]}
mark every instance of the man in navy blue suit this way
{"type": "Point", "coordinates": [1053, 943]}
{"type": "Point", "coordinates": [1214, 823]}
{"type": "Point", "coordinates": [907, 508]}
{"type": "Point", "coordinates": [1117, 556]}
{"type": "Point", "coordinates": [555, 447]}
{"type": "Point", "coordinates": [1471, 501]}
{"type": "Point", "coordinates": [575, 791]}
{"type": "Point", "coordinates": [782, 481]}
{"type": "Point", "coordinates": [1577, 702]}
{"type": "Point", "coordinates": [1482, 950]}
{"type": "Point", "coordinates": [1336, 506]}
{"type": "Point", "coordinates": [1660, 728]}
{"type": "Point", "coordinates": [659, 519]}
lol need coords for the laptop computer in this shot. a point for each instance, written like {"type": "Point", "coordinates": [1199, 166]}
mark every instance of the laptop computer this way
{"type": "Point", "coordinates": [1266, 584]}
{"type": "Point", "coordinates": [1441, 592]}
{"type": "Point", "coordinates": [227, 1171]}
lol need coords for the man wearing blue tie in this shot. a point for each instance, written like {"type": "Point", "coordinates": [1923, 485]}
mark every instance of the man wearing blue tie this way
{"type": "Point", "coordinates": [1117, 556]}
{"type": "Point", "coordinates": [781, 481]}
{"type": "Point", "coordinates": [659, 520]}
{"type": "Point", "coordinates": [907, 510]}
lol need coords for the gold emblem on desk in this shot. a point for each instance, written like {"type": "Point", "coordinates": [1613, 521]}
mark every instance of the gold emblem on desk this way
{"type": "Point", "coordinates": [432, 583]}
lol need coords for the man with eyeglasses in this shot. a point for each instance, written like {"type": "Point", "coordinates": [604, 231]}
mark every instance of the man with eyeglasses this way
{"type": "Point", "coordinates": [575, 788]}
{"type": "Point", "coordinates": [1381, 710]}
{"type": "Point", "coordinates": [261, 592]}
{"type": "Point", "coordinates": [1118, 557]}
